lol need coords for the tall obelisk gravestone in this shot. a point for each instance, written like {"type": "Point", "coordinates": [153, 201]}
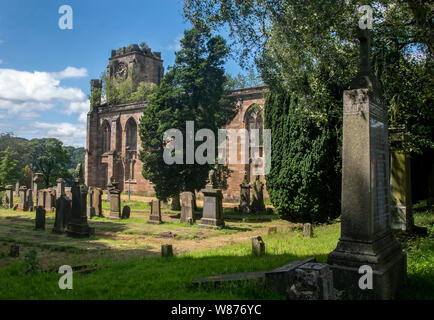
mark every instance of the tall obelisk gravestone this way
{"type": "Point", "coordinates": [366, 237]}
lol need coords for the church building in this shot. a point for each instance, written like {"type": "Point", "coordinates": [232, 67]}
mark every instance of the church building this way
{"type": "Point", "coordinates": [113, 142]}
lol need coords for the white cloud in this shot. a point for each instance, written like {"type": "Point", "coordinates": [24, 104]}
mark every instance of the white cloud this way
{"type": "Point", "coordinates": [71, 72]}
{"type": "Point", "coordinates": [28, 93]}
{"type": "Point", "coordinates": [70, 134]}
{"type": "Point", "coordinates": [1, 61]}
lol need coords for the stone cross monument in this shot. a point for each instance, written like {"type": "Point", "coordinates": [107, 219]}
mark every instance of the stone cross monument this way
{"type": "Point", "coordinates": [366, 237]}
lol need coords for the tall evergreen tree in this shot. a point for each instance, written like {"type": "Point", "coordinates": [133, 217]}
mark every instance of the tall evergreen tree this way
{"type": "Point", "coordinates": [194, 89]}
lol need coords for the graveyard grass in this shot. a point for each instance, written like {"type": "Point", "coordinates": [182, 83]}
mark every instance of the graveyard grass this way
{"type": "Point", "coordinates": [152, 277]}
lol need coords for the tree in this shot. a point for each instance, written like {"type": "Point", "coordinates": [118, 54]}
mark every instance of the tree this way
{"type": "Point", "coordinates": [309, 50]}
{"type": "Point", "coordinates": [311, 46]}
{"type": "Point", "coordinates": [194, 89]}
{"type": "Point", "coordinates": [49, 157]}
{"type": "Point", "coordinates": [304, 178]}
{"type": "Point", "coordinates": [9, 172]}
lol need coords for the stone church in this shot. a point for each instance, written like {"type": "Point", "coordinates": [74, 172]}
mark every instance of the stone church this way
{"type": "Point", "coordinates": [113, 142]}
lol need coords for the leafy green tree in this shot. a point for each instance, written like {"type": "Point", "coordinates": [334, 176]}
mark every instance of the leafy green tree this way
{"type": "Point", "coordinates": [9, 172]}
{"type": "Point", "coordinates": [311, 47]}
{"type": "Point", "coordinates": [309, 50]}
{"type": "Point", "coordinates": [304, 175]}
{"type": "Point", "coordinates": [49, 157]}
{"type": "Point", "coordinates": [194, 89]}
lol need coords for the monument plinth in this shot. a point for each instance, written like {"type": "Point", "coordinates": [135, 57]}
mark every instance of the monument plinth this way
{"type": "Point", "coordinates": [366, 236]}
{"type": "Point", "coordinates": [212, 206]}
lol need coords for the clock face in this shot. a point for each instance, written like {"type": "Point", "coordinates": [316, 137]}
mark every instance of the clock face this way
{"type": "Point", "coordinates": [121, 70]}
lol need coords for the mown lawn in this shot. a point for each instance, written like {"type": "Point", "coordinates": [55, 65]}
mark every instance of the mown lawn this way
{"type": "Point", "coordinates": [170, 278]}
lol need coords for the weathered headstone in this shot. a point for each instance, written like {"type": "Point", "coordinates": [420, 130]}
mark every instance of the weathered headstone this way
{"type": "Point", "coordinates": [97, 205]}
{"type": "Point", "coordinates": [212, 206]}
{"type": "Point", "coordinates": [68, 193]}
{"type": "Point", "coordinates": [187, 207]}
{"type": "Point", "coordinates": [126, 211]}
{"type": "Point", "coordinates": [279, 278]}
{"type": "Point", "coordinates": [40, 218]}
{"type": "Point", "coordinates": [366, 236]}
{"type": "Point", "coordinates": [166, 250]}
{"type": "Point", "coordinates": [38, 179]}
{"type": "Point", "coordinates": [23, 204]}
{"type": "Point", "coordinates": [258, 246]}
{"type": "Point", "coordinates": [155, 217]}
{"type": "Point", "coordinates": [10, 196]}
{"type": "Point", "coordinates": [41, 198]}
{"type": "Point", "coordinates": [78, 226]}
{"type": "Point", "coordinates": [258, 196]}
{"type": "Point", "coordinates": [311, 281]}
{"type": "Point", "coordinates": [17, 189]}
{"type": "Point", "coordinates": [244, 206]}
{"type": "Point", "coordinates": [30, 203]}
{"type": "Point", "coordinates": [115, 200]}
{"type": "Point", "coordinates": [50, 199]}
{"type": "Point", "coordinates": [307, 230]}
{"type": "Point", "coordinates": [90, 209]}
{"type": "Point", "coordinates": [63, 214]}
{"type": "Point", "coordinates": [14, 251]}
{"type": "Point", "coordinates": [60, 189]}
{"type": "Point", "coordinates": [400, 183]}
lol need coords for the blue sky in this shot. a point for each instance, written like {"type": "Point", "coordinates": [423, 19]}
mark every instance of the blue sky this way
{"type": "Point", "coordinates": [45, 71]}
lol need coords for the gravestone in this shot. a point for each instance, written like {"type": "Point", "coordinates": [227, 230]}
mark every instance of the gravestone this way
{"type": "Point", "coordinates": [400, 183]}
{"type": "Point", "coordinates": [60, 189]}
{"type": "Point", "coordinates": [50, 199]}
{"type": "Point", "coordinates": [311, 281]}
{"type": "Point", "coordinates": [244, 206]}
{"type": "Point", "coordinates": [68, 193]}
{"type": "Point", "coordinates": [14, 250]}
{"type": "Point", "coordinates": [187, 207]}
{"type": "Point", "coordinates": [23, 204]}
{"type": "Point", "coordinates": [17, 189]}
{"type": "Point", "coordinates": [166, 250]}
{"type": "Point", "coordinates": [307, 230]}
{"type": "Point", "coordinates": [155, 217]}
{"type": "Point", "coordinates": [40, 218]}
{"type": "Point", "coordinates": [212, 206]}
{"type": "Point", "coordinates": [97, 205]}
{"type": "Point", "coordinates": [41, 198]}
{"type": "Point", "coordinates": [38, 179]}
{"type": "Point", "coordinates": [78, 226]}
{"type": "Point", "coordinates": [115, 200]}
{"type": "Point", "coordinates": [258, 196]}
{"type": "Point", "coordinates": [30, 203]}
{"type": "Point", "coordinates": [366, 236]}
{"type": "Point", "coordinates": [63, 214]}
{"type": "Point", "coordinates": [258, 246]}
{"type": "Point", "coordinates": [126, 211]}
{"type": "Point", "coordinates": [90, 208]}
{"type": "Point", "coordinates": [10, 196]}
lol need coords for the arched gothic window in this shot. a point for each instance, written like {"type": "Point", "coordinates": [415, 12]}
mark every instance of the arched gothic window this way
{"type": "Point", "coordinates": [254, 120]}
{"type": "Point", "coordinates": [106, 133]}
{"type": "Point", "coordinates": [131, 131]}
